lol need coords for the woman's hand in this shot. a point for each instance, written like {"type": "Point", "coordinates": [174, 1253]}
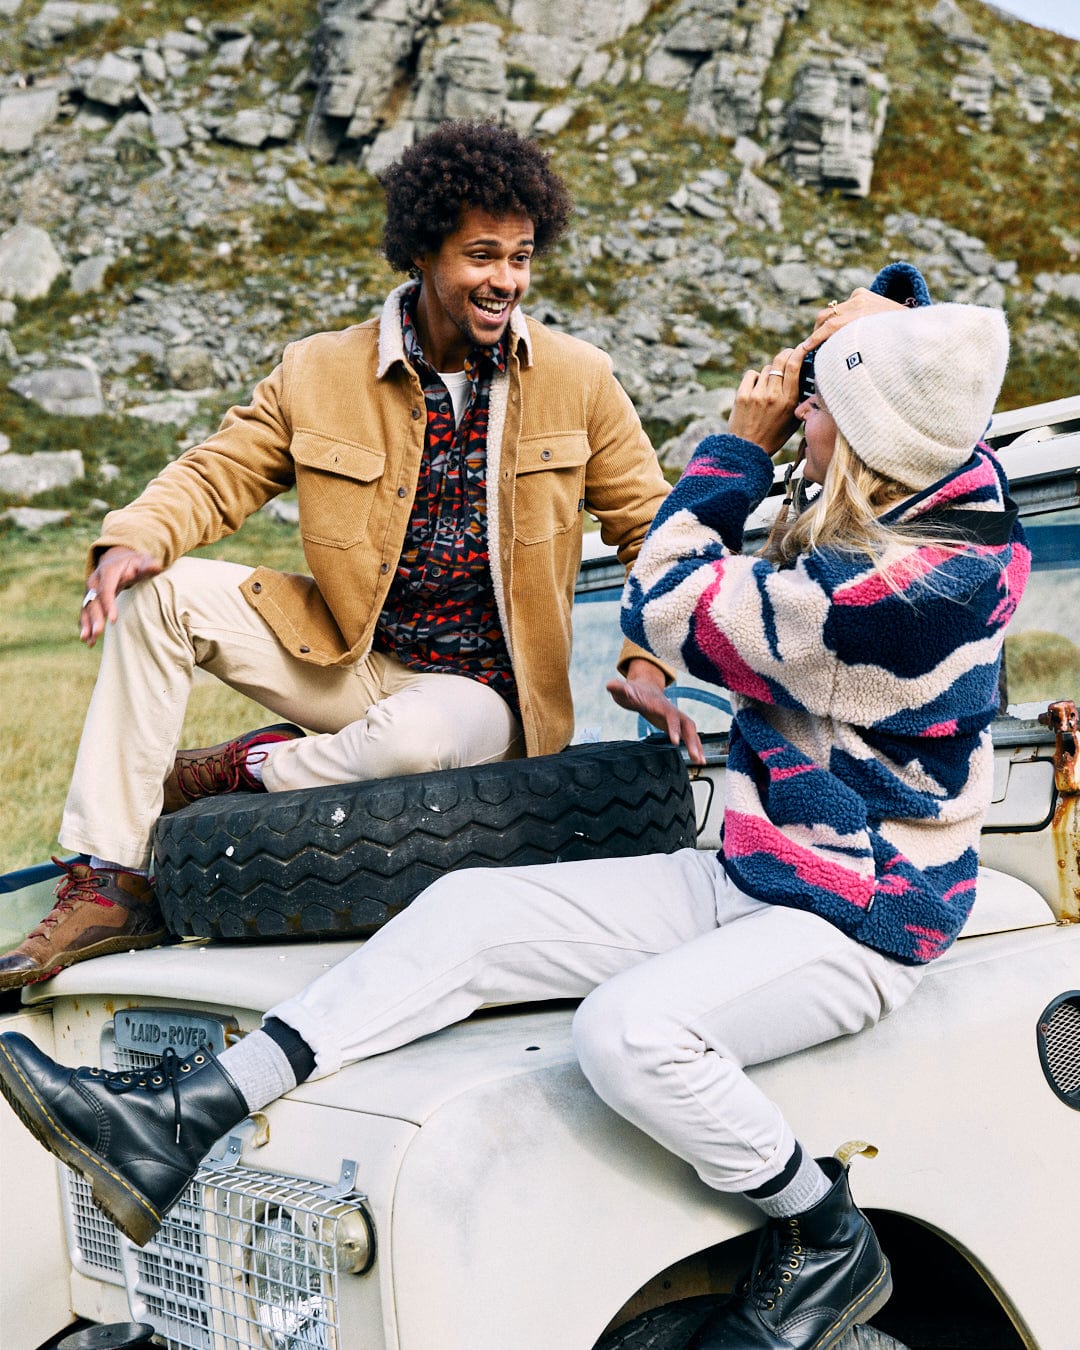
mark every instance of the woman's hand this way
{"type": "Point", "coordinates": [764, 410]}
{"type": "Point", "coordinates": [839, 312]}
{"type": "Point", "coordinates": [117, 569]}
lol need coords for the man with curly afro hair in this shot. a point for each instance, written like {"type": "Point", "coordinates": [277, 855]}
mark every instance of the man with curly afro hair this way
{"type": "Point", "coordinates": [475, 164]}
{"type": "Point", "coordinates": [444, 455]}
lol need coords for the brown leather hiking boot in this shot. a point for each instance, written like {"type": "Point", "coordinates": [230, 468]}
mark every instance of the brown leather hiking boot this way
{"type": "Point", "coordinates": [220, 768]}
{"type": "Point", "coordinates": [97, 911]}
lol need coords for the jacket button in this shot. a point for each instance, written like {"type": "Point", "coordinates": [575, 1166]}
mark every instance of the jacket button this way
{"type": "Point", "coordinates": [401, 492]}
{"type": "Point", "coordinates": [256, 586]}
{"type": "Point", "coordinates": [545, 454]}
{"type": "Point", "coordinates": [384, 567]}
{"type": "Point", "coordinates": [415, 414]}
{"type": "Point", "coordinates": [304, 650]}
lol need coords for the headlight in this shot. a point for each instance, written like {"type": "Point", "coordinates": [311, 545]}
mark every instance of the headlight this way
{"type": "Point", "coordinates": [286, 1276]}
{"type": "Point", "coordinates": [294, 1259]}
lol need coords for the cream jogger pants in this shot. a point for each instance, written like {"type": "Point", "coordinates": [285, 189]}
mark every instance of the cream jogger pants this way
{"type": "Point", "coordinates": [685, 981]}
{"type": "Point", "coordinates": [376, 718]}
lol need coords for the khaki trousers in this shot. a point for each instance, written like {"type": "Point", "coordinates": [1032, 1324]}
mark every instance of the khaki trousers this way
{"type": "Point", "coordinates": [374, 719]}
{"type": "Point", "coordinates": [685, 979]}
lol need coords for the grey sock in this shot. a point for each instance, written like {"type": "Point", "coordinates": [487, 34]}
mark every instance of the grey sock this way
{"type": "Point", "coordinates": [256, 757]}
{"type": "Point", "coordinates": [802, 1191]}
{"type": "Point", "coordinates": [259, 1068]}
{"type": "Point", "coordinates": [104, 865]}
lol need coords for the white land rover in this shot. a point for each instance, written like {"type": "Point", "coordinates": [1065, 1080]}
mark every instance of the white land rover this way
{"type": "Point", "coordinates": [469, 1192]}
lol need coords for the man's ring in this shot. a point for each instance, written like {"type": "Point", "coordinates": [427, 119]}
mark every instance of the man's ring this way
{"type": "Point", "coordinates": [88, 598]}
{"type": "Point", "coordinates": [775, 372]}
{"type": "Point", "coordinates": [834, 305]}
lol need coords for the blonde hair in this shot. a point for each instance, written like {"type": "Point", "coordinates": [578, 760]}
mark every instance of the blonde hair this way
{"type": "Point", "coordinates": [845, 516]}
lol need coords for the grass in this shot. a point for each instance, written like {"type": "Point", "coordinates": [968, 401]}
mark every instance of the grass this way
{"type": "Point", "coordinates": [48, 677]}
{"type": "Point", "coordinates": [138, 21]}
{"type": "Point", "coordinates": [1042, 666]}
{"type": "Point", "coordinates": [1003, 186]}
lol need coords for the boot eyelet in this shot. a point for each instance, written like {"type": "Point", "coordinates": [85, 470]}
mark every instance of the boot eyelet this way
{"type": "Point", "coordinates": [125, 1078]}
{"type": "Point", "coordinates": [185, 1068]}
{"type": "Point", "coordinates": [157, 1078]}
{"type": "Point", "coordinates": [793, 1264]}
{"type": "Point", "coordinates": [797, 1250]}
{"type": "Point", "coordinates": [786, 1276]}
{"type": "Point", "coordinates": [200, 1059]}
{"type": "Point", "coordinates": [95, 1073]}
{"type": "Point", "coordinates": [770, 1304]}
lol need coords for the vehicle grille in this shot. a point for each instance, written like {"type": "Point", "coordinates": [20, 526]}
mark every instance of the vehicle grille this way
{"type": "Point", "coordinates": [246, 1260]}
{"type": "Point", "coordinates": [94, 1240]}
{"type": "Point", "coordinates": [1058, 1037]}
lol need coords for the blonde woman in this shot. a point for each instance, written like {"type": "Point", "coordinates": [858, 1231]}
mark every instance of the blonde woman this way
{"type": "Point", "coordinates": [862, 656]}
{"type": "Point", "coordinates": [862, 653]}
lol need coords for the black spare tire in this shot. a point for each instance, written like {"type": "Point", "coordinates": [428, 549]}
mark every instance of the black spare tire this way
{"type": "Point", "coordinates": [339, 861]}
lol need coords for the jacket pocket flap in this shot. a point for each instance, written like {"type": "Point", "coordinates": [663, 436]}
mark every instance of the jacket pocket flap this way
{"type": "Point", "coordinates": [313, 450]}
{"type": "Point", "coordinates": [564, 450]}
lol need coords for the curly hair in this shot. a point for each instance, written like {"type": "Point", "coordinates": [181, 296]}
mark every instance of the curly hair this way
{"type": "Point", "coordinates": [468, 164]}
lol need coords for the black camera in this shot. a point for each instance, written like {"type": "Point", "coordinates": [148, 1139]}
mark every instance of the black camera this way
{"type": "Point", "coordinates": [807, 383]}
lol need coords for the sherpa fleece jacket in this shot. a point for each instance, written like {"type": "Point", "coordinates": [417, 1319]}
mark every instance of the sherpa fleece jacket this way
{"type": "Point", "coordinates": [860, 762]}
{"type": "Point", "coordinates": [343, 419]}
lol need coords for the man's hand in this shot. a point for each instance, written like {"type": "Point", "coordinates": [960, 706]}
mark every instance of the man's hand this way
{"type": "Point", "coordinates": [117, 569]}
{"type": "Point", "coordinates": [831, 319]}
{"type": "Point", "coordinates": [642, 692]}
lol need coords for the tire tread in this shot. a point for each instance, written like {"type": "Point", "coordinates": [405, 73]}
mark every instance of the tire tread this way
{"type": "Point", "coordinates": [340, 861]}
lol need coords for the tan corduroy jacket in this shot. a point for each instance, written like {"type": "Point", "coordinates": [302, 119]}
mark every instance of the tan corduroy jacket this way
{"type": "Point", "coordinates": [343, 418]}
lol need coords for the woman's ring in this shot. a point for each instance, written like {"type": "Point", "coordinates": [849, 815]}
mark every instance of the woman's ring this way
{"type": "Point", "coordinates": [88, 598]}
{"type": "Point", "coordinates": [834, 305]}
{"type": "Point", "coordinates": [775, 372]}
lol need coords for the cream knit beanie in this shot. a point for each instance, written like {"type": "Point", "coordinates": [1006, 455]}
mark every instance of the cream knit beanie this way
{"type": "Point", "coordinates": [912, 390]}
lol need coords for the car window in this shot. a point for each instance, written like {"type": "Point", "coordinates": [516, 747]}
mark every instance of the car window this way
{"type": "Point", "coordinates": [597, 643]}
{"type": "Point", "coordinates": [1042, 646]}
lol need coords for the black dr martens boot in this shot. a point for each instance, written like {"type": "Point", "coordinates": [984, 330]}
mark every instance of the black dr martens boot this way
{"type": "Point", "coordinates": [138, 1138]}
{"type": "Point", "coordinates": [815, 1275]}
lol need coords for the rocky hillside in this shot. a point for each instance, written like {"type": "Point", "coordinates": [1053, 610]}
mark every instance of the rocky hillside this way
{"type": "Point", "coordinates": [184, 187]}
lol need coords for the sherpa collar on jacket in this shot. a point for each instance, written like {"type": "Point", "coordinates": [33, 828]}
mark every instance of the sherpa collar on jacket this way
{"type": "Point", "coordinates": [392, 344]}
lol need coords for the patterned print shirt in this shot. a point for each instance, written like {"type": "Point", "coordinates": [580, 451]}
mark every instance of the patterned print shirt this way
{"type": "Point", "coordinates": [440, 614]}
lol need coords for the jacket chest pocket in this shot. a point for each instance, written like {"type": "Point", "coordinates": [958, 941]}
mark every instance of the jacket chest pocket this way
{"type": "Point", "coordinates": [549, 490]}
{"type": "Point", "coordinates": [336, 484]}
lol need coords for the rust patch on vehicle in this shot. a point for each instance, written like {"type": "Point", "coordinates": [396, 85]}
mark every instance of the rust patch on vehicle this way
{"type": "Point", "coordinates": [1064, 721]}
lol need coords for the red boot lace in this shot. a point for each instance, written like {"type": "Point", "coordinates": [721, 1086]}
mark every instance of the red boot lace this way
{"type": "Point", "coordinates": [212, 774]}
{"type": "Point", "coordinates": [70, 889]}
